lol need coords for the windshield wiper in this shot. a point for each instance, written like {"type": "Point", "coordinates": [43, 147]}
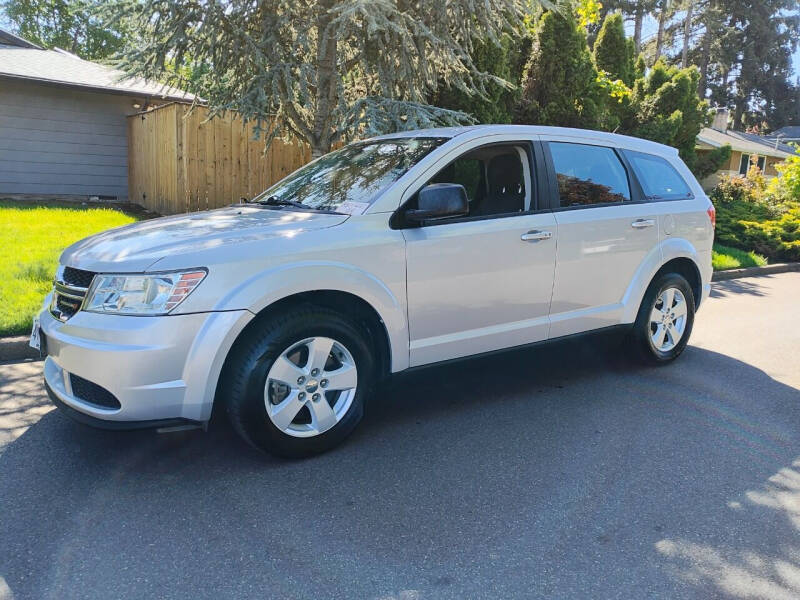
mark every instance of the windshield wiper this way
{"type": "Point", "coordinates": [275, 201]}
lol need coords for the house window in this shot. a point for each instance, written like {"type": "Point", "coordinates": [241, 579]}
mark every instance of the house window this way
{"type": "Point", "coordinates": [751, 159]}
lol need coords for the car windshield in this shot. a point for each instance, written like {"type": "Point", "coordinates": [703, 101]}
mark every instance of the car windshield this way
{"type": "Point", "coordinates": [349, 180]}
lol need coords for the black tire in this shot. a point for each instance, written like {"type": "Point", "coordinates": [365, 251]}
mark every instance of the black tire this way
{"type": "Point", "coordinates": [640, 341]}
{"type": "Point", "coordinates": [243, 381]}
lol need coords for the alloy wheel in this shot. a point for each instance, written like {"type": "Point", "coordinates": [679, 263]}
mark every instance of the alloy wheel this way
{"type": "Point", "coordinates": [668, 319]}
{"type": "Point", "coordinates": [310, 386]}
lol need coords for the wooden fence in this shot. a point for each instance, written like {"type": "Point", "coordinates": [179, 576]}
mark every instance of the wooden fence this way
{"type": "Point", "coordinates": [179, 162]}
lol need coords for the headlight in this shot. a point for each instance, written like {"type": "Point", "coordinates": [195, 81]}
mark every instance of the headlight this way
{"type": "Point", "coordinates": [151, 294]}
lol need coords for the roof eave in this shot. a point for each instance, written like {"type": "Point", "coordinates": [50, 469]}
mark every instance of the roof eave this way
{"type": "Point", "coordinates": [709, 142]}
{"type": "Point", "coordinates": [14, 40]}
{"type": "Point", "coordinates": [97, 89]}
{"type": "Point", "coordinates": [764, 148]}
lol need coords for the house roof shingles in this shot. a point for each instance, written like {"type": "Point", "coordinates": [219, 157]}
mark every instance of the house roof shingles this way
{"type": "Point", "coordinates": [744, 142]}
{"type": "Point", "coordinates": [790, 132]}
{"type": "Point", "coordinates": [20, 59]}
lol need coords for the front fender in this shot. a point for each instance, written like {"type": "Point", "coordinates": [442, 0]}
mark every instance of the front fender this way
{"type": "Point", "coordinates": [281, 281]}
{"type": "Point", "coordinates": [669, 249]}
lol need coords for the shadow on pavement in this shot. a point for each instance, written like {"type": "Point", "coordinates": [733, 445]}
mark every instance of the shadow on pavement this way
{"type": "Point", "coordinates": [557, 472]}
{"type": "Point", "coordinates": [752, 286]}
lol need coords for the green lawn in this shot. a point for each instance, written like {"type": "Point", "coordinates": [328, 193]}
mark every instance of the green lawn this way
{"type": "Point", "coordinates": [724, 258]}
{"type": "Point", "coordinates": [31, 240]}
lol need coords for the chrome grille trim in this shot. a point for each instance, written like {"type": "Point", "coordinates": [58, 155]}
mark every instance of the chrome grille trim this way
{"type": "Point", "coordinates": [67, 298]}
{"type": "Point", "coordinates": [69, 291]}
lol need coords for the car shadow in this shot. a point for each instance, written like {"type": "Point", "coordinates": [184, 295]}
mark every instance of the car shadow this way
{"type": "Point", "coordinates": [563, 471]}
{"type": "Point", "coordinates": [753, 286]}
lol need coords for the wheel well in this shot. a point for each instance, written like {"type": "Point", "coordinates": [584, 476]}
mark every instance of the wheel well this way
{"type": "Point", "coordinates": [348, 304]}
{"type": "Point", "coordinates": [687, 268]}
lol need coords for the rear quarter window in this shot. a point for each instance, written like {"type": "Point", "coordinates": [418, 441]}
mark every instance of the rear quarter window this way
{"type": "Point", "coordinates": [659, 179]}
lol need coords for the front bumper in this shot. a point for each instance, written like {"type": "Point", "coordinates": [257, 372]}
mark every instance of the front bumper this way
{"type": "Point", "coordinates": [160, 369]}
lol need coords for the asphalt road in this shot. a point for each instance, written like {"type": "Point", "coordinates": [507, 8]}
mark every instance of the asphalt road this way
{"type": "Point", "coordinates": [556, 473]}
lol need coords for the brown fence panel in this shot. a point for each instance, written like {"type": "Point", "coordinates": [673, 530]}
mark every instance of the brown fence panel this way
{"type": "Point", "coordinates": [179, 161]}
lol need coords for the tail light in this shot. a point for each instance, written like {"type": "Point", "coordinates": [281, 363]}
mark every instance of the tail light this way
{"type": "Point", "coordinates": [712, 215]}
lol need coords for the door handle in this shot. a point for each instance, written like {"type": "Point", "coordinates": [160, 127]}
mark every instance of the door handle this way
{"type": "Point", "coordinates": [642, 223]}
{"type": "Point", "coordinates": [536, 236]}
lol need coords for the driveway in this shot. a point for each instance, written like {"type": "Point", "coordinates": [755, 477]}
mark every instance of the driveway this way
{"type": "Point", "coordinates": [561, 472]}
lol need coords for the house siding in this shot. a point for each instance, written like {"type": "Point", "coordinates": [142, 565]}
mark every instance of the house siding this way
{"type": "Point", "coordinates": [732, 169]}
{"type": "Point", "coordinates": [55, 141]}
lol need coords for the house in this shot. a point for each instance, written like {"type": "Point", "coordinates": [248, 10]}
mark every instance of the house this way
{"type": "Point", "coordinates": [747, 149]}
{"type": "Point", "coordinates": [63, 128]}
{"type": "Point", "coordinates": [788, 134]}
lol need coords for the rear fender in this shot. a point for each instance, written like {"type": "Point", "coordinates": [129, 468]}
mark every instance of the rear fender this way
{"type": "Point", "coordinates": [667, 250]}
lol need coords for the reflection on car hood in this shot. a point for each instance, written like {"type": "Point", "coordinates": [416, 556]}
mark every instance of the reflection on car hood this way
{"type": "Point", "coordinates": [133, 248]}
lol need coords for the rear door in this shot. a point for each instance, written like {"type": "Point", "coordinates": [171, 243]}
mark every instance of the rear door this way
{"type": "Point", "coordinates": [605, 232]}
{"type": "Point", "coordinates": [482, 282]}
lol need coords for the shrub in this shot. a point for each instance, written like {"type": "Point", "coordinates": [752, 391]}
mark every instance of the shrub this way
{"type": "Point", "coordinates": [749, 218]}
{"type": "Point", "coordinates": [787, 186]}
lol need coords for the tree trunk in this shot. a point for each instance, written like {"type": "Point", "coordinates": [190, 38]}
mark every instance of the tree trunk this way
{"type": "Point", "coordinates": [738, 114]}
{"type": "Point", "coordinates": [687, 31]}
{"type": "Point", "coordinates": [705, 58]}
{"type": "Point", "coordinates": [318, 150]}
{"type": "Point", "coordinates": [662, 21]}
{"type": "Point", "coordinates": [325, 95]}
{"type": "Point", "coordinates": [638, 19]}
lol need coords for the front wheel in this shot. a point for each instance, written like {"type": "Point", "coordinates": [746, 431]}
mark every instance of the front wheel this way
{"type": "Point", "coordinates": [665, 319]}
{"type": "Point", "coordinates": [296, 383]}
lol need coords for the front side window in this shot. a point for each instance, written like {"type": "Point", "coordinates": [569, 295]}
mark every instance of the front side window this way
{"type": "Point", "coordinates": [659, 179]}
{"type": "Point", "coordinates": [350, 179]}
{"type": "Point", "coordinates": [588, 175]}
{"type": "Point", "coordinates": [465, 171]}
{"type": "Point", "coordinates": [496, 178]}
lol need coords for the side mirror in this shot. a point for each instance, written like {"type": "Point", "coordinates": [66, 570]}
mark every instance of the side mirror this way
{"type": "Point", "coordinates": [439, 201]}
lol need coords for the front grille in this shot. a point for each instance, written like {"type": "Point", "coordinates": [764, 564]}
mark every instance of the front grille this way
{"type": "Point", "coordinates": [69, 291]}
{"type": "Point", "coordinates": [91, 393]}
{"type": "Point", "coordinates": [77, 277]}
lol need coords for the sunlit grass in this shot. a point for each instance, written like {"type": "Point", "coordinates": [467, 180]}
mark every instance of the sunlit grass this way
{"type": "Point", "coordinates": [31, 240]}
{"type": "Point", "coordinates": [723, 258]}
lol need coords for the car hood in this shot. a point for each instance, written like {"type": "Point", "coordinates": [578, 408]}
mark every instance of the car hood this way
{"type": "Point", "coordinates": [134, 248]}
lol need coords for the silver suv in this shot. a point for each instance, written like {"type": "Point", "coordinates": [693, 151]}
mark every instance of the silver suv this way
{"type": "Point", "coordinates": [391, 253]}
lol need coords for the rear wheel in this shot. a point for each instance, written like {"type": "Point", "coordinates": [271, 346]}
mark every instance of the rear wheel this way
{"type": "Point", "coordinates": [665, 319]}
{"type": "Point", "coordinates": [296, 383]}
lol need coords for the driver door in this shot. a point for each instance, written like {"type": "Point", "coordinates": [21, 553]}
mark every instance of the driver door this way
{"type": "Point", "coordinates": [482, 282]}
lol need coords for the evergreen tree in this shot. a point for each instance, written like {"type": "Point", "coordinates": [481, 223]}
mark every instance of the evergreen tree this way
{"type": "Point", "coordinates": [768, 35]}
{"type": "Point", "coordinates": [635, 10]}
{"type": "Point", "coordinates": [612, 52]}
{"type": "Point", "coordinates": [506, 61]}
{"type": "Point", "coordinates": [323, 70]}
{"type": "Point", "coordinates": [560, 84]}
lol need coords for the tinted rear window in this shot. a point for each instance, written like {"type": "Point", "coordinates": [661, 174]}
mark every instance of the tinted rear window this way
{"type": "Point", "coordinates": [659, 179]}
{"type": "Point", "coordinates": [588, 174]}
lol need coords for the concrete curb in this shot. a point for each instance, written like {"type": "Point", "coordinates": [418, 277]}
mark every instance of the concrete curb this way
{"type": "Point", "coordinates": [755, 271]}
{"type": "Point", "coordinates": [16, 348]}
